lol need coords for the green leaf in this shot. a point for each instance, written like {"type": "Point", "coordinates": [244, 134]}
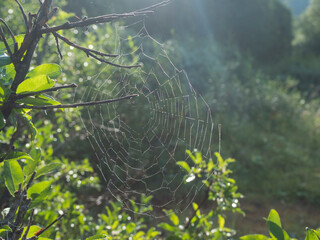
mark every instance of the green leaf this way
{"type": "Point", "coordinates": [254, 237]}
{"type": "Point", "coordinates": [195, 206]}
{"type": "Point", "coordinates": [40, 100]}
{"type": "Point", "coordinates": [311, 235]}
{"type": "Point", "coordinates": [274, 217]}
{"type": "Point", "coordinates": [9, 75]}
{"type": "Point", "coordinates": [35, 153]}
{"type": "Point", "coordinates": [2, 92]}
{"type": "Point", "coordinates": [48, 168]}
{"type": "Point", "coordinates": [13, 175]}
{"type": "Point", "coordinates": [34, 84]}
{"type": "Point", "coordinates": [152, 233]}
{"type": "Point", "coordinates": [4, 60]}
{"type": "Point", "coordinates": [210, 165]}
{"type": "Point", "coordinates": [275, 230]}
{"type": "Point", "coordinates": [191, 155]}
{"type": "Point", "coordinates": [5, 228]}
{"type": "Point", "coordinates": [36, 189]}
{"type": "Point", "coordinates": [184, 165]}
{"type": "Point", "coordinates": [50, 69]}
{"type": "Point", "coordinates": [100, 236]}
{"type": "Point", "coordinates": [168, 227]}
{"type": "Point", "coordinates": [174, 219]}
{"type": "Point", "coordinates": [29, 167]}
{"type": "Point", "coordinates": [2, 120]}
{"type": "Point", "coordinates": [19, 40]}
{"type": "Point", "coordinates": [33, 229]}
{"type": "Point", "coordinates": [31, 127]}
{"type": "Point", "coordinates": [17, 156]}
{"type": "Point", "coordinates": [130, 227]}
{"type": "Point", "coordinates": [221, 221]}
{"type": "Point", "coordinates": [198, 159]}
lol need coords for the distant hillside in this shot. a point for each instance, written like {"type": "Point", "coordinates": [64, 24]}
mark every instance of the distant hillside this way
{"type": "Point", "coordinates": [297, 6]}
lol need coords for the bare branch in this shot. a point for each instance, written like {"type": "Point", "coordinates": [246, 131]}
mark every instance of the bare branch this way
{"type": "Point", "coordinates": [11, 34]}
{"type": "Point", "coordinates": [24, 15]}
{"type": "Point", "coordinates": [86, 50]}
{"type": "Point", "coordinates": [58, 46]}
{"type": "Point", "coordinates": [43, 230]}
{"type": "Point", "coordinates": [93, 20]}
{"type": "Point", "coordinates": [30, 181]}
{"type": "Point", "coordinates": [29, 225]}
{"type": "Point", "coordinates": [17, 97]}
{"type": "Point", "coordinates": [160, 4]}
{"type": "Point", "coordinates": [75, 105]}
{"type": "Point", "coordinates": [111, 63]}
{"type": "Point", "coordinates": [5, 41]}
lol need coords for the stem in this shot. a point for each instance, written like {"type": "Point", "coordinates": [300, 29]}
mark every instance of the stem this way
{"type": "Point", "coordinates": [200, 205]}
{"type": "Point", "coordinates": [17, 106]}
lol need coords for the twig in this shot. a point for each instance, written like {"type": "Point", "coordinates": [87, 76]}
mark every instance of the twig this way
{"type": "Point", "coordinates": [11, 34]}
{"type": "Point", "coordinates": [111, 63]}
{"type": "Point", "coordinates": [58, 46]}
{"type": "Point", "coordinates": [86, 50]}
{"type": "Point", "coordinates": [200, 205]}
{"type": "Point", "coordinates": [17, 106]}
{"type": "Point", "coordinates": [17, 97]}
{"type": "Point", "coordinates": [5, 41]}
{"type": "Point", "coordinates": [30, 181]}
{"type": "Point", "coordinates": [43, 230]}
{"type": "Point", "coordinates": [93, 20]}
{"type": "Point", "coordinates": [28, 227]}
{"type": "Point", "coordinates": [24, 15]}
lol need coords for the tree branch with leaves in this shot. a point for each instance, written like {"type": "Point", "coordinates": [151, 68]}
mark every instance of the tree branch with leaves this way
{"type": "Point", "coordinates": [23, 90]}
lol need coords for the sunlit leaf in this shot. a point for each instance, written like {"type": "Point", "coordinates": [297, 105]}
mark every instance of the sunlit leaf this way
{"type": "Point", "coordinates": [184, 165]}
{"type": "Point", "coordinates": [210, 165]}
{"type": "Point", "coordinates": [38, 188]}
{"type": "Point", "coordinates": [9, 75]}
{"type": "Point", "coordinates": [254, 237]}
{"type": "Point", "coordinates": [274, 217]}
{"type": "Point", "coordinates": [167, 227]}
{"type": "Point", "coordinates": [30, 125]}
{"type": "Point", "coordinates": [40, 100]}
{"type": "Point", "coordinates": [48, 168]}
{"type": "Point", "coordinates": [39, 192]}
{"type": "Point", "coordinates": [97, 237]}
{"type": "Point", "coordinates": [221, 221]}
{"type": "Point", "coordinates": [19, 40]}
{"type": "Point", "coordinates": [195, 206]}
{"type": "Point", "coordinates": [13, 175]}
{"type": "Point", "coordinates": [37, 83]}
{"type": "Point", "coordinates": [191, 155]}
{"type": "Point", "coordinates": [130, 227]}
{"type": "Point", "coordinates": [311, 235]}
{"type": "Point", "coordinates": [17, 156]}
{"type": "Point", "coordinates": [50, 69]}
{"type": "Point", "coordinates": [5, 228]}
{"type": "Point", "coordinates": [174, 219]}
{"type": "Point", "coordinates": [33, 229]}
{"type": "Point", "coordinates": [29, 167]}
{"type": "Point", "coordinates": [198, 157]}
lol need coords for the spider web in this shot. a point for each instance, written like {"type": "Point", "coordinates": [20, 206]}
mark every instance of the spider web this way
{"type": "Point", "coordinates": [137, 143]}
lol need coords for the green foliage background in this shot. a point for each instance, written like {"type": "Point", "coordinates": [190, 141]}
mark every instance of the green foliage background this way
{"type": "Point", "coordinates": [254, 63]}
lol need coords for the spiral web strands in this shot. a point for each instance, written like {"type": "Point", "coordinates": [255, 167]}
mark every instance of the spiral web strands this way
{"type": "Point", "coordinates": [138, 142]}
